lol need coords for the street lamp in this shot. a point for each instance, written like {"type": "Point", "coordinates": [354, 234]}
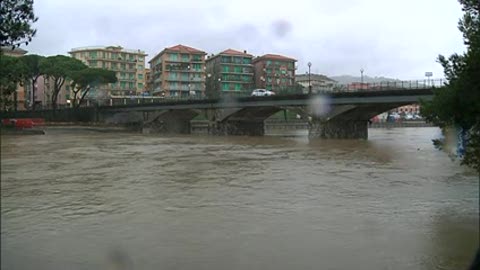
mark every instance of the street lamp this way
{"type": "Point", "coordinates": [309, 81]}
{"type": "Point", "coordinates": [189, 79]}
{"type": "Point", "coordinates": [361, 77]}
{"type": "Point", "coordinates": [428, 75]}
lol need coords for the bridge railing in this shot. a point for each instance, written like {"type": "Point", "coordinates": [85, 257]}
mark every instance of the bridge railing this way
{"type": "Point", "coordinates": [333, 88]}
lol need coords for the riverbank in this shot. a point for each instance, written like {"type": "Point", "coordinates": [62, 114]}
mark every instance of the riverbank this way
{"type": "Point", "coordinates": [15, 132]}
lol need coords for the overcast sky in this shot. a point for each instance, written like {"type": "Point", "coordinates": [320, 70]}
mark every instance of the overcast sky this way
{"type": "Point", "coordinates": [398, 39]}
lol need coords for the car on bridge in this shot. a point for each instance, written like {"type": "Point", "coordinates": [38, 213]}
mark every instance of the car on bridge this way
{"type": "Point", "coordinates": [262, 93]}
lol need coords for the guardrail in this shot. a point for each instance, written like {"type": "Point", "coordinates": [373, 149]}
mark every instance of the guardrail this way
{"type": "Point", "coordinates": [336, 88]}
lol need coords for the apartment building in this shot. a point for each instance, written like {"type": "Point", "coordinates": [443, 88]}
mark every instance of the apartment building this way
{"type": "Point", "coordinates": [229, 72]}
{"type": "Point", "coordinates": [129, 66]}
{"type": "Point", "coordinates": [318, 82]}
{"type": "Point", "coordinates": [178, 71]}
{"type": "Point", "coordinates": [274, 72]}
{"type": "Point", "coordinates": [148, 81]}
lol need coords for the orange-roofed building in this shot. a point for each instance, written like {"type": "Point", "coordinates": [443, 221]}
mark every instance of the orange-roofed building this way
{"type": "Point", "coordinates": [229, 73]}
{"type": "Point", "coordinates": [178, 71]}
{"type": "Point", "coordinates": [274, 72]}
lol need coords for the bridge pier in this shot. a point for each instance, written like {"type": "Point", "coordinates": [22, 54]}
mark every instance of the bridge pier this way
{"type": "Point", "coordinates": [168, 126]}
{"type": "Point", "coordinates": [170, 122]}
{"type": "Point", "coordinates": [237, 127]}
{"type": "Point", "coordinates": [338, 129]}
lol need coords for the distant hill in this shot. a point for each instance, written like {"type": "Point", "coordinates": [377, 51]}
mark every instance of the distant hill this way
{"type": "Point", "coordinates": [350, 79]}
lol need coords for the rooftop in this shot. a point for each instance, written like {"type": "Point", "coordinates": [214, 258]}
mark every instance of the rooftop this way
{"type": "Point", "coordinates": [13, 50]}
{"type": "Point", "coordinates": [235, 52]}
{"type": "Point", "coordinates": [96, 48]}
{"type": "Point", "coordinates": [274, 57]}
{"type": "Point", "coordinates": [179, 48]}
{"type": "Point", "coordinates": [183, 49]}
{"type": "Point", "coordinates": [230, 52]}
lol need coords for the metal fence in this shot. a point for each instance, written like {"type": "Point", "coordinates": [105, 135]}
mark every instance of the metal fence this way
{"type": "Point", "coordinates": [336, 88]}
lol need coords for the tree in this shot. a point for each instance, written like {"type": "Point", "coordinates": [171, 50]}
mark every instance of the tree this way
{"type": "Point", "coordinates": [59, 68]}
{"type": "Point", "coordinates": [16, 18]}
{"type": "Point", "coordinates": [32, 72]}
{"type": "Point", "coordinates": [86, 79]}
{"type": "Point", "coordinates": [458, 103]}
{"type": "Point", "coordinates": [11, 75]}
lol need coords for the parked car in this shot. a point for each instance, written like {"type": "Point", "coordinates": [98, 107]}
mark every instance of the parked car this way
{"type": "Point", "coordinates": [262, 93]}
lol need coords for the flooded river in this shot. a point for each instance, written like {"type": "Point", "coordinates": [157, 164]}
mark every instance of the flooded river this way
{"type": "Point", "coordinates": [76, 199]}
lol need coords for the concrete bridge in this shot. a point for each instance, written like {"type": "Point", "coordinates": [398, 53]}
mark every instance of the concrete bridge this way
{"type": "Point", "coordinates": [336, 115]}
{"type": "Point", "coordinates": [342, 114]}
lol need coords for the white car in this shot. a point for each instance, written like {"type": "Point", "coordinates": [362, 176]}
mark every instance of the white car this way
{"type": "Point", "coordinates": [262, 93]}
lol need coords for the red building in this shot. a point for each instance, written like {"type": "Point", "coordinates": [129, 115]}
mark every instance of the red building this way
{"type": "Point", "coordinates": [274, 72]}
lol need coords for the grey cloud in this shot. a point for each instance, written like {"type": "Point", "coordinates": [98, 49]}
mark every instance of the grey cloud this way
{"type": "Point", "coordinates": [397, 39]}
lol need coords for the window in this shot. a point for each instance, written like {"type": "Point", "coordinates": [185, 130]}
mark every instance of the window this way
{"type": "Point", "coordinates": [197, 67]}
{"type": "Point", "coordinates": [122, 75]}
{"type": "Point", "coordinates": [226, 59]}
{"type": "Point", "coordinates": [185, 57]}
{"type": "Point", "coordinates": [238, 86]}
{"type": "Point", "coordinates": [93, 55]}
{"type": "Point", "coordinates": [123, 85]}
{"type": "Point", "coordinates": [225, 86]}
{"type": "Point", "coordinates": [172, 75]}
{"type": "Point", "coordinates": [247, 60]}
{"type": "Point", "coordinates": [140, 59]}
{"type": "Point", "coordinates": [93, 63]}
{"type": "Point", "coordinates": [104, 64]}
{"type": "Point", "coordinates": [140, 67]}
{"type": "Point", "coordinates": [238, 69]}
{"type": "Point", "coordinates": [237, 60]}
{"type": "Point", "coordinates": [173, 56]}
{"type": "Point", "coordinates": [132, 76]}
{"type": "Point", "coordinates": [140, 76]}
{"type": "Point", "coordinates": [269, 62]}
{"type": "Point", "coordinates": [131, 85]}
{"type": "Point", "coordinates": [123, 66]}
{"type": "Point", "coordinates": [225, 68]}
{"type": "Point", "coordinates": [197, 58]}
{"type": "Point", "coordinates": [247, 70]}
{"type": "Point", "coordinates": [184, 77]}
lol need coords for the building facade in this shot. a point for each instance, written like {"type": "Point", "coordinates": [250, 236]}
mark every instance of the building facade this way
{"type": "Point", "coordinates": [318, 82]}
{"type": "Point", "coordinates": [148, 82]}
{"type": "Point", "coordinates": [229, 72]}
{"type": "Point", "coordinates": [20, 96]}
{"type": "Point", "coordinates": [178, 71]}
{"type": "Point", "coordinates": [129, 66]}
{"type": "Point", "coordinates": [274, 72]}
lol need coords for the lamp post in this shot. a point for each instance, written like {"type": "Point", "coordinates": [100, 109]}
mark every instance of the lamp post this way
{"type": "Point", "coordinates": [361, 77]}
{"type": "Point", "coordinates": [189, 79]}
{"type": "Point", "coordinates": [428, 75]}
{"type": "Point", "coordinates": [309, 81]}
